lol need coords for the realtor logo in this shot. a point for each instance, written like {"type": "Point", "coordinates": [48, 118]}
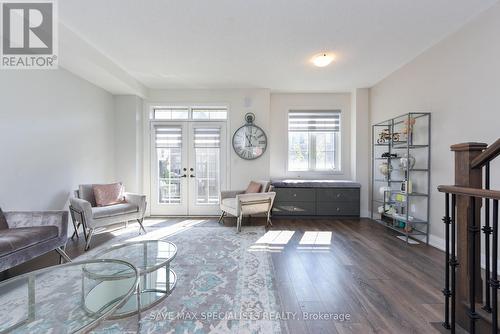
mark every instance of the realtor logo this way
{"type": "Point", "coordinates": [29, 34]}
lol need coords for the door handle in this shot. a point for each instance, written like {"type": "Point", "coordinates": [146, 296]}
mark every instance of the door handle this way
{"type": "Point", "coordinates": [191, 169]}
{"type": "Point", "coordinates": [191, 175]}
{"type": "Point", "coordinates": [184, 169]}
{"type": "Point", "coordinates": [184, 175]}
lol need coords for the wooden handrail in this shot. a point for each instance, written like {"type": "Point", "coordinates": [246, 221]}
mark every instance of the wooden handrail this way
{"type": "Point", "coordinates": [488, 155]}
{"type": "Point", "coordinates": [472, 192]}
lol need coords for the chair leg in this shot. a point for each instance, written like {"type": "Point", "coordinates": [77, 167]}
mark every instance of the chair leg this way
{"type": "Point", "coordinates": [238, 223]}
{"type": "Point", "coordinates": [75, 225]}
{"type": "Point", "coordinates": [141, 226]}
{"type": "Point", "coordinates": [222, 216]}
{"type": "Point", "coordinates": [269, 222]}
{"type": "Point", "coordinates": [62, 255]}
{"type": "Point", "coordinates": [89, 237]}
{"type": "Point", "coordinates": [75, 232]}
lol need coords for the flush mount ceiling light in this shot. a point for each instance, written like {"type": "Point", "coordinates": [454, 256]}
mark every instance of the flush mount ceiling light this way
{"type": "Point", "coordinates": [323, 59]}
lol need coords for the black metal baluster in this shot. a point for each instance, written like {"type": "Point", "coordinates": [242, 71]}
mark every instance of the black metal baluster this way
{"type": "Point", "coordinates": [494, 278]}
{"type": "Point", "coordinates": [487, 231]}
{"type": "Point", "coordinates": [446, 290]}
{"type": "Point", "coordinates": [473, 229]}
{"type": "Point", "coordinates": [453, 263]}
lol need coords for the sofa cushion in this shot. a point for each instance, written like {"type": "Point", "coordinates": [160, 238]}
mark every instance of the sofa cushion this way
{"type": "Point", "coordinates": [3, 221]}
{"type": "Point", "coordinates": [114, 210]}
{"type": "Point", "coordinates": [253, 187]}
{"type": "Point", "coordinates": [86, 192]}
{"type": "Point", "coordinates": [14, 239]}
{"type": "Point", "coordinates": [108, 194]}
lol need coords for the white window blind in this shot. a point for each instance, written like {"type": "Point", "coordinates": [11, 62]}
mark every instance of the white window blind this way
{"type": "Point", "coordinates": [168, 136]}
{"type": "Point", "coordinates": [314, 121]}
{"type": "Point", "coordinates": [314, 140]}
{"type": "Point", "coordinates": [206, 137]}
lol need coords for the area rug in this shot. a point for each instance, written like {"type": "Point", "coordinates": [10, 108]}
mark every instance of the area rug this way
{"type": "Point", "coordinates": [223, 286]}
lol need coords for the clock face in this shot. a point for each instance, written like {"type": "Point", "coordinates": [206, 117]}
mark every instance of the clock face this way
{"type": "Point", "coordinates": [249, 142]}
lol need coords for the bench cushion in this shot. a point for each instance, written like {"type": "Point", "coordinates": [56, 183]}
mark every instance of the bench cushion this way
{"type": "Point", "coordinates": [15, 239]}
{"type": "Point", "coordinates": [114, 210]}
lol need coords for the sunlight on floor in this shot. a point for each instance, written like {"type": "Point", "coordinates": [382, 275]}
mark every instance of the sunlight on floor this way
{"type": "Point", "coordinates": [164, 232]}
{"type": "Point", "coordinates": [318, 241]}
{"type": "Point", "coordinates": [272, 241]}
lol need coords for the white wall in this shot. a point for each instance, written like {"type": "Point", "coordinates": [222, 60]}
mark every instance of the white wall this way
{"type": "Point", "coordinates": [360, 145]}
{"type": "Point", "coordinates": [239, 102]}
{"type": "Point", "coordinates": [128, 149]}
{"type": "Point", "coordinates": [458, 80]}
{"type": "Point", "coordinates": [280, 105]}
{"type": "Point", "coordinates": [56, 131]}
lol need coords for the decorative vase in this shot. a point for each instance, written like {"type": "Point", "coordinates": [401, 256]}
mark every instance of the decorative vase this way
{"type": "Point", "coordinates": [407, 161]}
{"type": "Point", "coordinates": [385, 168]}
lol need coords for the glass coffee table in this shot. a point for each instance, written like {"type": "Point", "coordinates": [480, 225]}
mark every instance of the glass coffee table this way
{"type": "Point", "coordinates": [152, 259]}
{"type": "Point", "coordinates": [52, 300]}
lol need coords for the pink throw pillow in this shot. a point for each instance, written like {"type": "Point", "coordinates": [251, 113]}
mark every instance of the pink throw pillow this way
{"type": "Point", "coordinates": [253, 187]}
{"type": "Point", "coordinates": [108, 194]}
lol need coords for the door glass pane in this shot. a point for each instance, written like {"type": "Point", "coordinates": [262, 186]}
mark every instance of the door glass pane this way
{"type": "Point", "coordinates": [168, 142]}
{"type": "Point", "coordinates": [207, 165]}
{"type": "Point", "coordinates": [169, 175]}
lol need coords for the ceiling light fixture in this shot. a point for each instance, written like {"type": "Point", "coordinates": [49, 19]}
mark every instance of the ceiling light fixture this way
{"type": "Point", "coordinates": [323, 59]}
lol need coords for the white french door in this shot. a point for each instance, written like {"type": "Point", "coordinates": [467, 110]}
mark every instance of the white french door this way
{"type": "Point", "coordinates": [188, 167]}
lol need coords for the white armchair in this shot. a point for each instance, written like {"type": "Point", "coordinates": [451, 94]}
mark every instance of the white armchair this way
{"type": "Point", "coordinates": [238, 204]}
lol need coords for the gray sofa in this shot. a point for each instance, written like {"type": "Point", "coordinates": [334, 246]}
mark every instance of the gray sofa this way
{"type": "Point", "coordinates": [31, 234]}
{"type": "Point", "coordinates": [86, 213]}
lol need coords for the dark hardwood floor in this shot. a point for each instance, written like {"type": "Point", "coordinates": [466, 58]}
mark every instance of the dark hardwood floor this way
{"type": "Point", "coordinates": [384, 285]}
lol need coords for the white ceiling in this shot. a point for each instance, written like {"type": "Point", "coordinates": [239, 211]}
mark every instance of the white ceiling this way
{"type": "Point", "coordinates": [176, 44]}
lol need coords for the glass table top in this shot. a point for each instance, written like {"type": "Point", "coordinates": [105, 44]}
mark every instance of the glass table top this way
{"type": "Point", "coordinates": [145, 255]}
{"type": "Point", "coordinates": [52, 300]}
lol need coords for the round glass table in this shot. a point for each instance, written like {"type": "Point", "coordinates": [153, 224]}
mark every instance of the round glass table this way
{"type": "Point", "coordinates": [52, 300]}
{"type": "Point", "coordinates": [156, 280]}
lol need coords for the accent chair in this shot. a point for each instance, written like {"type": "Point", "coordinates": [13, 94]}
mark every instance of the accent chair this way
{"type": "Point", "coordinates": [93, 218]}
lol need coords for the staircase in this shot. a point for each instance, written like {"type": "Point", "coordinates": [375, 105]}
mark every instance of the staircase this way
{"type": "Point", "coordinates": [471, 208]}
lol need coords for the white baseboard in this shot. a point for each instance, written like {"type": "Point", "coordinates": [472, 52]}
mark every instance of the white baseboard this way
{"type": "Point", "coordinates": [436, 242]}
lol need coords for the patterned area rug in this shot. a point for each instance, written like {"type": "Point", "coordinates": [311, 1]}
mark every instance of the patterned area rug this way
{"type": "Point", "coordinates": [223, 286]}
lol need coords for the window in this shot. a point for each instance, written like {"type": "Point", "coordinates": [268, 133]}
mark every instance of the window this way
{"type": "Point", "coordinates": [206, 113]}
{"type": "Point", "coordinates": [314, 140]}
{"type": "Point", "coordinates": [183, 113]}
{"type": "Point", "coordinates": [171, 113]}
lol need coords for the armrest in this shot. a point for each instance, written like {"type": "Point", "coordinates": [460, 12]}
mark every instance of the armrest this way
{"type": "Point", "coordinates": [39, 218]}
{"type": "Point", "coordinates": [137, 199]}
{"type": "Point", "coordinates": [255, 197]}
{"type": "Point", "coordinates": [230, 193]}
{"type": "Point", "coordinates": [82, 205]}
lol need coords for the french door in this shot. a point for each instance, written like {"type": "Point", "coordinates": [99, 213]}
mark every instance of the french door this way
{"type": "Point", "coordinates": [188, 167]}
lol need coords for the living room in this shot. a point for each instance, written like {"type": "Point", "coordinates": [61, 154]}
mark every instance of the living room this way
{"type": "Point", "coordinates": [263, 167]}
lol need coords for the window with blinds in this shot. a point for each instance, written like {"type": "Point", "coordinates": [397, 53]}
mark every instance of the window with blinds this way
{"type": "Point", "coordinates": [168, 136]}
{"type": "Point", "coordinates": [314, 140]}
{"type": "Point", "coordinates": [206, 137]}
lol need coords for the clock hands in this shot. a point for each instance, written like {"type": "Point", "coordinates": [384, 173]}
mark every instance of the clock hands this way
{"type": "Point", "coordinates": [249, 141]}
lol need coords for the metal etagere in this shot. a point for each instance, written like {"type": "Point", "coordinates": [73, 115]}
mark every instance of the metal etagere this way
{"type": "Point", "coordinates": [400, 188]}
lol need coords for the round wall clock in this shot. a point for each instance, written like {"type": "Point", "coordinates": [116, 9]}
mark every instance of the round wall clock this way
{"type": "Point", "coordinates": [249, 141]}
